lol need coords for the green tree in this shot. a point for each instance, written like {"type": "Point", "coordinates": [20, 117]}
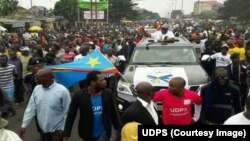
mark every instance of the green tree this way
{"type": "Point", "coordinates": [8, 7]}
{"type": "Point", "coordinates": [67, 9]}
{"type": "Point", "coordinates": [235, 8]}
{"type": "Point", "coordinates": [145, 15]}
{"type": "Point", "coordinates": [119, 9]}
{"type": "Point", "coordinates": [208, 15]}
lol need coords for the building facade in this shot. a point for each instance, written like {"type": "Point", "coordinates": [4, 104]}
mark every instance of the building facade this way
{"type": "Point", "coordinates": [205, 6]}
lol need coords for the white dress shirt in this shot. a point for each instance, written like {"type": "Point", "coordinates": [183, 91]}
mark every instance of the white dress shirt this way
{"type": "Point", "coordinates": [157, 35]}
{"type": "Point", "coordinates": [50, 105]}
{"type": "Point", "coordinates": [150, 108]}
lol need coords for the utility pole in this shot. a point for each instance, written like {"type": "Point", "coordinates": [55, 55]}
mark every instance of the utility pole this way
{"type": "Point", "coordinates": [182, 5]}
{"type": "Point", "coordinates": [108, 12]}
{"type": "Point", "coordinates": [30, 3]}
{"type": "Point", "coordinates": [175, 4]}
{"type": "Point", "coordinates": [182, 8]}
{"type": "Point", "coordinates": [198, 7]}
{"type": "Point", "coordinates": [96, 11]}
{"type": "Point", "coordinates": [91, 10]}
{"type": "Point", "coordinates": [78, 13]}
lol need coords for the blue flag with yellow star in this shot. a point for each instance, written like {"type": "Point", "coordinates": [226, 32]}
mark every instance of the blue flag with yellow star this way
{"type": "Point", "coordinates": [69, 74]}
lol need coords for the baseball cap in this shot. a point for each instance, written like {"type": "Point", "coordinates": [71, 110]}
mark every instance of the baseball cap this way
{"type": "Point", "coordinates": [25, 49]}
{"type": "Point", "coordinates": [225, 46]}
{"type": "Point", "coordinates": [230, 41]}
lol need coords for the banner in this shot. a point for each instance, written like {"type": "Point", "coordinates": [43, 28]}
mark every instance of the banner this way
{"type": "Point", "coordinates": [99, 4]}
{"type": "Point", "coordinates": [100, 15]}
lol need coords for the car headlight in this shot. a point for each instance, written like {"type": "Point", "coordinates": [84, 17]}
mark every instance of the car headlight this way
{"type": "Point", "coordinates": [196, 88]}
{"type": "Point", "coordinates": [124, 88]}
{"type": "Point", "coordinates": [120, 107]}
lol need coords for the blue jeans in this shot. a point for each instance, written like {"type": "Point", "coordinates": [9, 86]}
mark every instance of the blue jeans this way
{"type": "Point", "coordinates": [10, 94]}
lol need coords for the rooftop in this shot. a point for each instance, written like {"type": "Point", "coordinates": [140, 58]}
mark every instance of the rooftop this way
{"type": "Point", "coordinates": [208, 2]}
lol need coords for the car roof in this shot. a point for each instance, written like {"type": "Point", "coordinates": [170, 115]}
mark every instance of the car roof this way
{"type": "Point", "coordinates": [148, 41]}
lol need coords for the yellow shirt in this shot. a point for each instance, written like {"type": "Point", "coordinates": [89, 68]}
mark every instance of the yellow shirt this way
{"type": "Point", "coordinates": [242, 53]}
{"type": "Point", "coordinates": [233, 50]}
{"type": "Point", "coordinates": [25, 62]}
{"type": "Point", "coordinates": [19, 54]}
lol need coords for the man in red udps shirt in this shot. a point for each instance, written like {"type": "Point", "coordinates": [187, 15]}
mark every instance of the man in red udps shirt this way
{"type": "Point", "coordinates": [177, 102]}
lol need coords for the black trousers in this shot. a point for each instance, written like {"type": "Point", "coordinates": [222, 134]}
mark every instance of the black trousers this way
{"type": "Point", "coordinates": [103, 138]}
{"type": "Point", "coordinates": [51, 136]}
{"type": "Point", "coordinates": [19, 90]}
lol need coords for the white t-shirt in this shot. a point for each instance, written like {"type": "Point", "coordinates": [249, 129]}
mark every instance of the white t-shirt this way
{"type": "Point", "coordinates": [7, 135]}
{"type": "Point", "coordinates": [238, 119]}
{"type": "Point", "coordinates": [201, 45]}
{"type": "Point", "coordinates": [78, 49]}
{"type": "Point", "coordinates": [78, 57]}
{"type": "Point", "coordinates": [221, 60]}
{"type": "Point", "coordinates": [157, 35]}
{"type": "Point", "coordinates": [119, 47]}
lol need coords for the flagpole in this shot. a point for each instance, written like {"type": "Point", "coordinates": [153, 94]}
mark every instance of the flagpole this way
{"type": "Point", "coordinates": [132, 88]}
{"type": "Point", "coordinates": [123, 77]}
{"type": "Point", "coordinates": [119, 73]}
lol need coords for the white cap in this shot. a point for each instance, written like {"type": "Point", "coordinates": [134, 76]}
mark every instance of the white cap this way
{"type": "Point", "coordinates": [225, 46]}
{"type": "Point", "coordinates": [165, 25]}
{"type": "Point", "coordinates": [25, 49]}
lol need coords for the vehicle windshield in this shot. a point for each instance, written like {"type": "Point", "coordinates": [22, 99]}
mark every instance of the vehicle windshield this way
{"type": "Point", "coordinates": [151, 30]}
{"type": "Point", "coordinates": [162, 55]}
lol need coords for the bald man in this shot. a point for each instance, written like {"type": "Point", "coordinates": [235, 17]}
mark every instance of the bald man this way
{"type": "Point", "coordinates": [142, 110]}
{"type": "Point", "coordinates": [50, 103]}
{"type": "Point", "coordinates": [177, 102]}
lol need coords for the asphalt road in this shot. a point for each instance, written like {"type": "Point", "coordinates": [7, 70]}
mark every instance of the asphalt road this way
{"type": "Point", "coordinates": [31, 132]}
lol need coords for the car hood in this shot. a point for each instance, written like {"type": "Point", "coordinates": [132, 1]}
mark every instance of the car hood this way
{"type": "Point", "coordinates": [160, 75]}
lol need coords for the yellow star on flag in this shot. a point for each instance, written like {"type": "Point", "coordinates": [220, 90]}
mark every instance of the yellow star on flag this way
{"type": "Point", "coordinates": [93, 61]}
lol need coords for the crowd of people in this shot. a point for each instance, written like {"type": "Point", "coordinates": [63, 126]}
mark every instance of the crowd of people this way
{"type": "Point", "coordinates": [223, 54]}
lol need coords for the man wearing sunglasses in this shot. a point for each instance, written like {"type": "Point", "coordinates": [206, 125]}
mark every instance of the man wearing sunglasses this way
{"type": "Point", "coordinates": [221, 99]}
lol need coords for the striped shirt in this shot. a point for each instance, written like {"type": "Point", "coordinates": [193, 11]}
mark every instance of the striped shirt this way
{"type": "Point", "coordinates": [7, 76]}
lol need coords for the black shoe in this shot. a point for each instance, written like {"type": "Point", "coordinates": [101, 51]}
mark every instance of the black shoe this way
{"type": "Point", "coordinates": [12, 113]}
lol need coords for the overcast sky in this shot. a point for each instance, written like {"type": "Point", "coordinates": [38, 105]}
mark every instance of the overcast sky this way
{"type": "Point", "coordinates": [163, 7]}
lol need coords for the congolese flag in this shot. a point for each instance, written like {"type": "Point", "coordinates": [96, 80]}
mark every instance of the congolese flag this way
{"type": "Point", "coordinates": [69, 74]}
